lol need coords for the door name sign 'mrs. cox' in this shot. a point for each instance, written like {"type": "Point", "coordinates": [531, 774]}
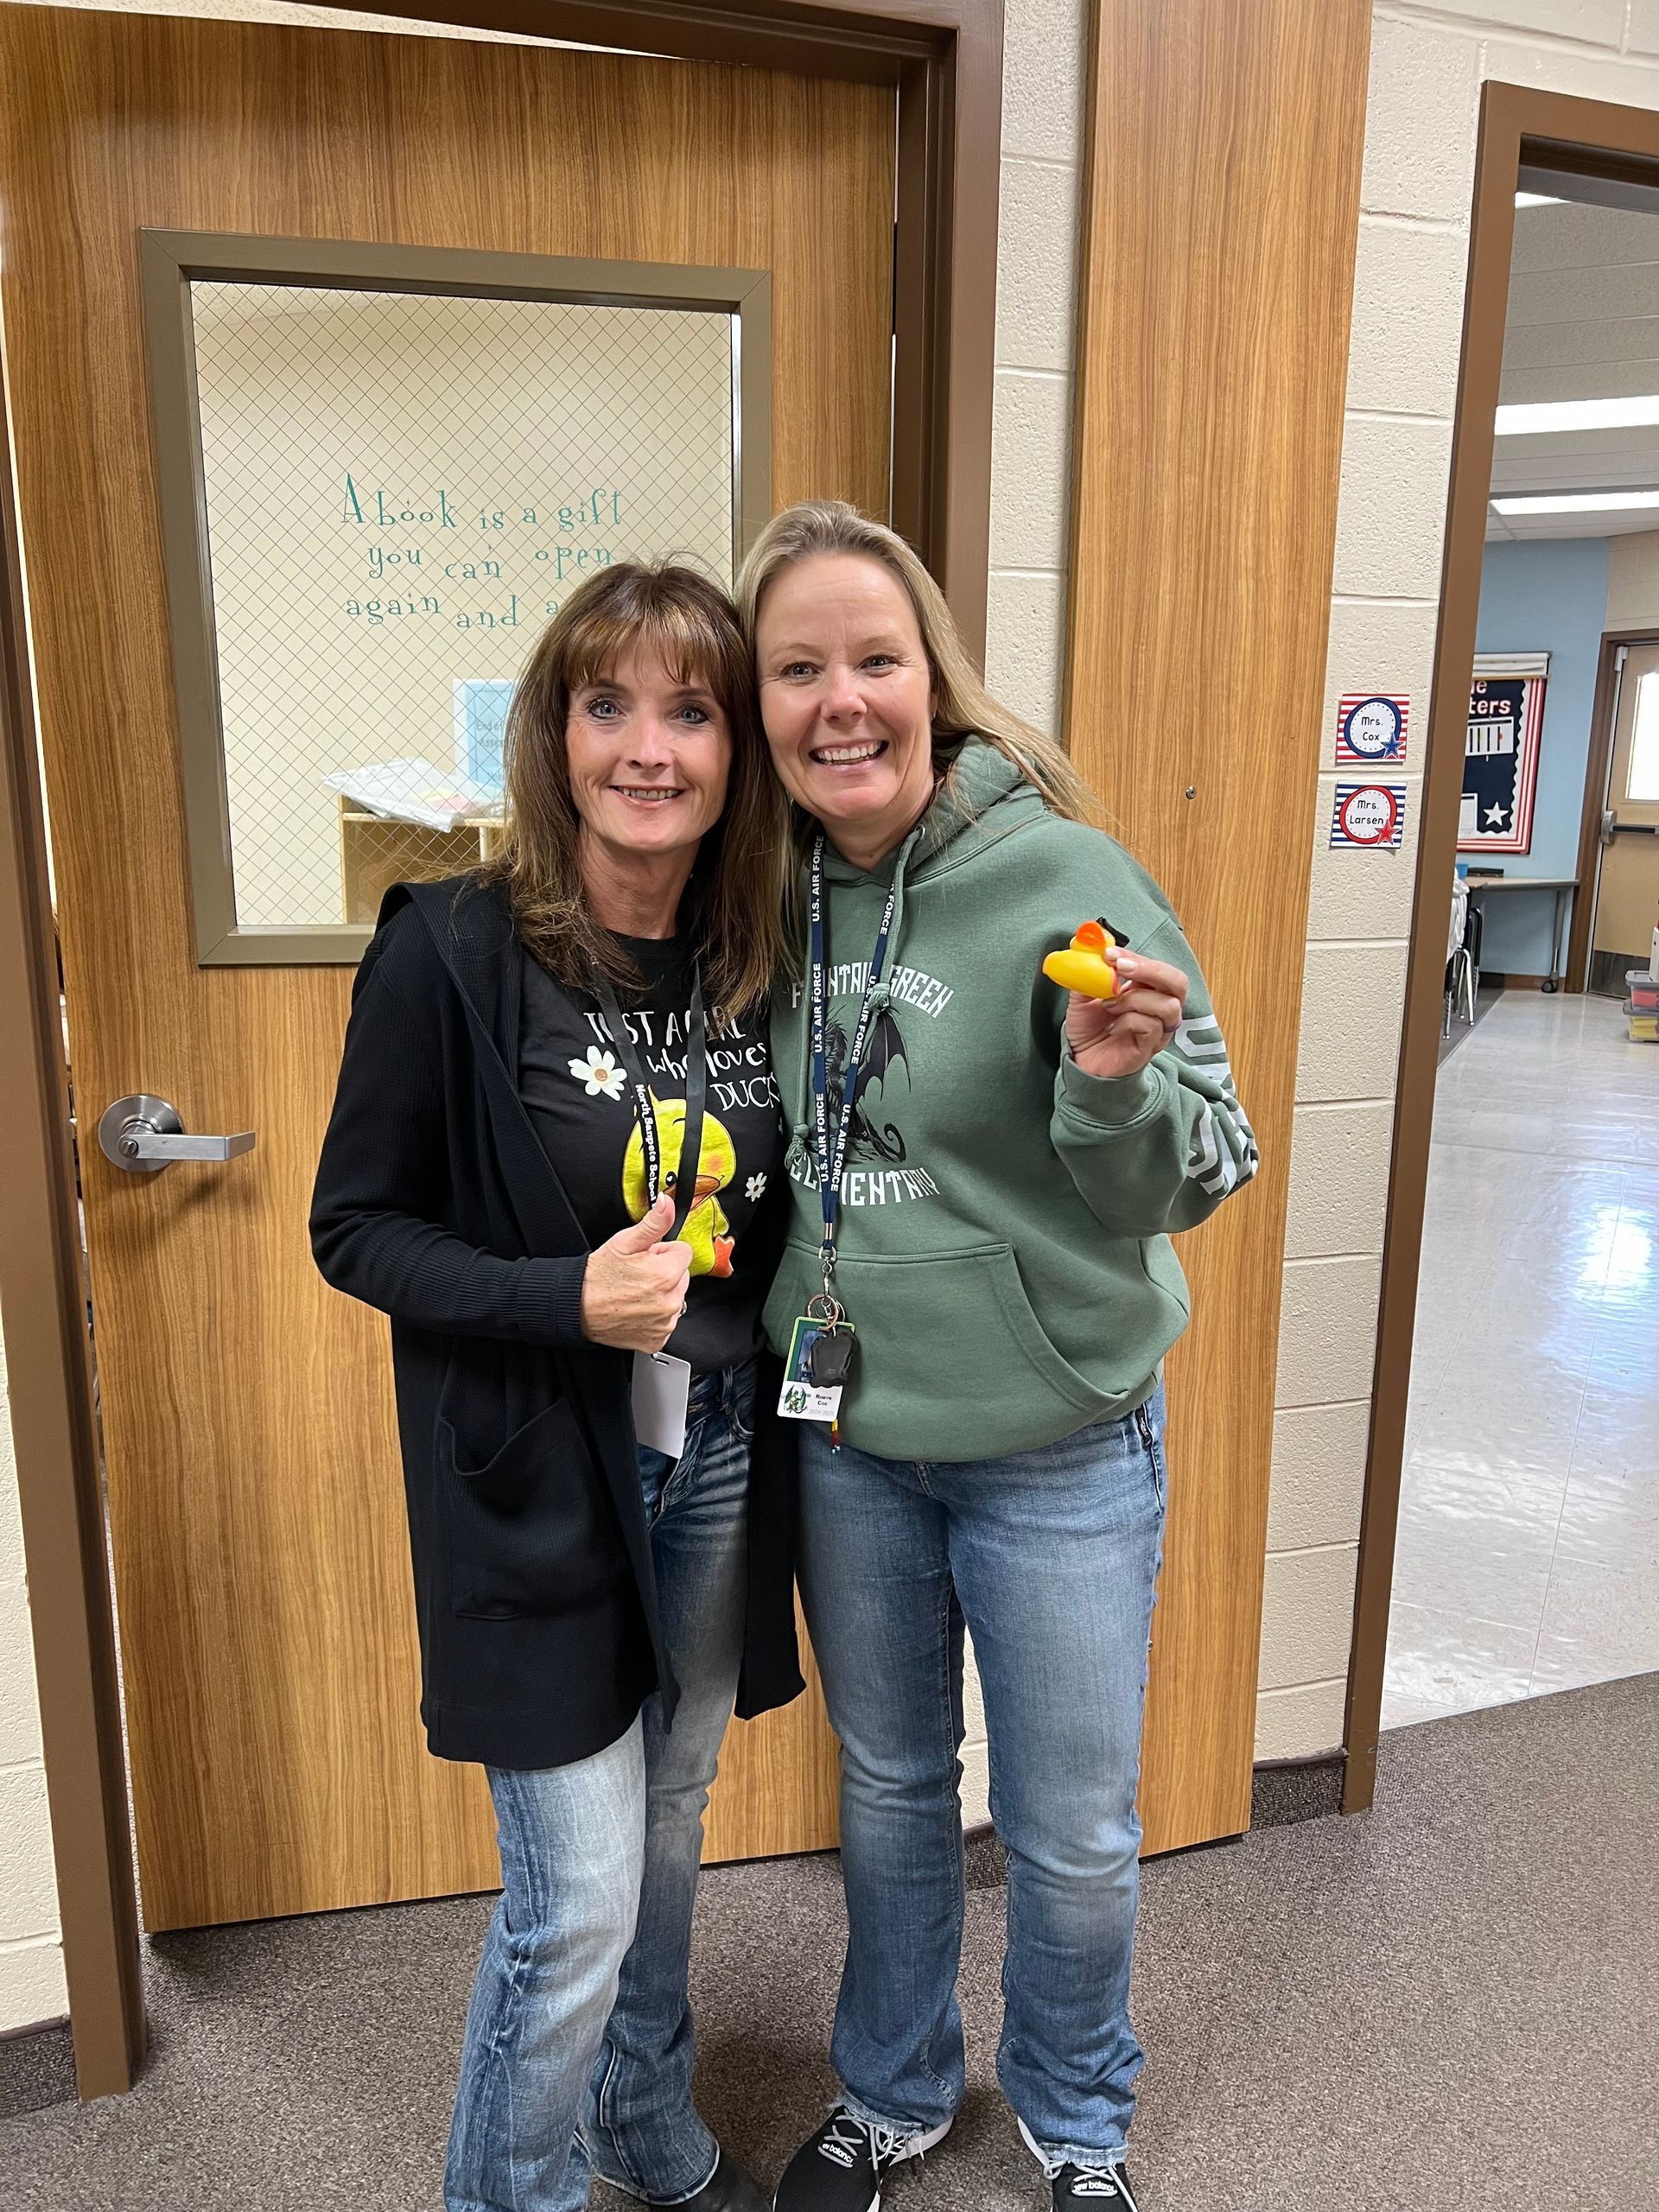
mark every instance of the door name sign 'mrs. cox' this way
{"type": "Point", "coordinates": [1371, 729]}
{"type": "Point", "coordinates": [1372, 815]}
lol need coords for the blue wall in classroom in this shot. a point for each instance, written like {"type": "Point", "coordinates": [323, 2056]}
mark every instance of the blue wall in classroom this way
{"type": "Point", "coordinates": [1548, 595]}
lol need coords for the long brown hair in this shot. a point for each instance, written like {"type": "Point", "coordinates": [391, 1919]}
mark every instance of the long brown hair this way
{"type": "Point", "coordinates": [732, 906]}
{"type": "Point", "coordinates": [962, 708]}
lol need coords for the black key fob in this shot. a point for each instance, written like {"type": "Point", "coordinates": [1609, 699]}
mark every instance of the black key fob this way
{"type": "Point", "coordinates": [830, 1360]}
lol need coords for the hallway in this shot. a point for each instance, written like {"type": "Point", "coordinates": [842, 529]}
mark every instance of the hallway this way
{"type": "Point", "coordinates": [1529, 1548]}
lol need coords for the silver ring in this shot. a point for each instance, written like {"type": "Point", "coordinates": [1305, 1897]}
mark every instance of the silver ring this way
{"type": "Point", "coordinates": [683, 1303]}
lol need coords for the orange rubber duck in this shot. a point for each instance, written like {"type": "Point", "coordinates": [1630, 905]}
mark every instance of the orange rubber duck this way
{"type": "Point", "coordinates": [1083, 966]}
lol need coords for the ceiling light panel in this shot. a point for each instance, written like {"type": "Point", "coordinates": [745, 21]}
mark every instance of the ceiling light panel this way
{"type": "Point", "coordinates": [1538, 418]}
{"type": "Point", "coordinates": [1575, 503]}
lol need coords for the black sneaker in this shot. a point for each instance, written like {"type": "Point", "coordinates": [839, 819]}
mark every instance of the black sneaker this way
{"type": "Point", "coordinates": [842, 2168]}
{"type": "Point", "coordinates": [1094, 2186]}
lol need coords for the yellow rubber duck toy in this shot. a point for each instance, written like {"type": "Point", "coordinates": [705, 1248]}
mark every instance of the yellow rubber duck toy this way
{"type": "Point", "coordinates": [707, 1231]}
{"type": "Point", "coordinates": [1083, 965]}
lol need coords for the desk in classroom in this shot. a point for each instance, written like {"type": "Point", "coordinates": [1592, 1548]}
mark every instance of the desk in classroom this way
{"type": "Point", "coordinates": [1482, 886]}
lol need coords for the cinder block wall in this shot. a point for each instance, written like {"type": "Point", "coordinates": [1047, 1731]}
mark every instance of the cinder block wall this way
{"type": "Point", "coordinates": [31, 1956]}
{"type": "Point", "coordinates": [1427, 65]}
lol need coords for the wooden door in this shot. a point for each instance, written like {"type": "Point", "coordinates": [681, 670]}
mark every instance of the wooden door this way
{"type": "Point", "coordinates": [255, 1502]}
{"type": "Point", "coordinates": [1627, 892]}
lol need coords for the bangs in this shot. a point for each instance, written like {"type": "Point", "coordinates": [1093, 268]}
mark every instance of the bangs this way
{"type": "Point", "coordinates": [665, 615]}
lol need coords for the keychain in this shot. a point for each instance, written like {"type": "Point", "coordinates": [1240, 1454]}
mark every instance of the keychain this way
{"type": "Point", "coordinates": [819, 1366]}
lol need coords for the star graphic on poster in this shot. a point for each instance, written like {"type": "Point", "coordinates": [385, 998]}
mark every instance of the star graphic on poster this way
{"type": "Point", "coordinates": [1495, 817]}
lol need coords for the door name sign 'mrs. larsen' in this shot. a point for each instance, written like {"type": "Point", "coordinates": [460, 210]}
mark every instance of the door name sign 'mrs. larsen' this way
{"type": "Point", "coordinates": [1371, 815]}
{"type": "Point", "coordinates": [1371, 728]}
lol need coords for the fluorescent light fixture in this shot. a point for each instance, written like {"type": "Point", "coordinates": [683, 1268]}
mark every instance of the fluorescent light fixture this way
{"type": "Point", "coordinates": [1531, 419]}
{"type": "Point", "coordinates": [1575, 502]}
{"type": "Point", "coordinates": [1539, 200]}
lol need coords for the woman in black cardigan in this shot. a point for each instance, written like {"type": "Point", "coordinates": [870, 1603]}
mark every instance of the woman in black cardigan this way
{"type": "Point", "coordinates": [502, 1176]}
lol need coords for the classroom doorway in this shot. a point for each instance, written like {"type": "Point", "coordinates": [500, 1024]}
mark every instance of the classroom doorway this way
{"type": "Point", "coordinates": [1527, 1552]}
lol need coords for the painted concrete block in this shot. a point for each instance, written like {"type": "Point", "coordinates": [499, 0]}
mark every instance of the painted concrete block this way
{"type": "Point", "coordinates": [20, 1718]}
{"type": "Point", "coordinates": [1594, 22]}
{"type": "Point", "coordinates": [1043, 60]}
{"type": "Point", "coordinates": [976, 1783]}
{"type": "Point", "coordinates": [1307, 1620]}
{"type": "Point", "coordinates": [1633, 580]}
{"type": "Point", "coordinates": [1024, 640]}
{"type": "Point", "coordinates": [33, 1990]}
{"type": "Point", "coordinates": [1338, 1179]}
{"type": "Point", "coordinates": [1407, 319]}
{"type": "Point", "coordinates": [1642, 36]}
{"type": "Point", "coordinates": [1030, 448]}
{"type": "Point", "coordinates": [1380, 646]}
{"type": "Point", "coordinates": [1359, 893]}
{"type": "Point", "coordinates": [1391, 509]}
{"type": "Point", "coordinates": [1327, 1331]}
{"type": "Point", "coordinates": [11, 1519]}
{"type": "Point", "coordinates": [1318, 1475]}
{"type": "Point", "coordinates": [1352, 1000]}
{"type": "Point", "coordinates": [1421, 120]}
{"type": "Point", "coordinates": [1036, 266]}
{"type": "Point", "coordinates": [1296, 1723]}
{"type": "Point", "coordinates": [29, 1890]}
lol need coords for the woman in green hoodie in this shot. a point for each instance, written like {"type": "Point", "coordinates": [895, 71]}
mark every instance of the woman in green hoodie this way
{"type": "Point", "coordinates": [985, 1171]}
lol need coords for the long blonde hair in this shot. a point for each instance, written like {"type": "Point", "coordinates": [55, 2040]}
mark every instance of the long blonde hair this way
{"type": "Point", "coordinates": [962, 708]}
{"type": "Point", "coordinates": [732, 905]}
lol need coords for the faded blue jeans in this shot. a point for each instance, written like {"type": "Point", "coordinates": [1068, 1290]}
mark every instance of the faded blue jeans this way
{"type": "Point", "coordinates": [1052, 1557]}
{"type": "Point", "coordinates": [578, 2050]}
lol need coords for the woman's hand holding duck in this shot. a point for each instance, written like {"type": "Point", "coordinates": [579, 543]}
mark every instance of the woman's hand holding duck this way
{"type": "Point", "coordinates": [1119, 1036]}
{"type": "Point", "coordinates": [633, 1291]}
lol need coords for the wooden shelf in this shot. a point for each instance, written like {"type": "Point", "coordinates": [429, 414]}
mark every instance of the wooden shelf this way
{"type": "Point", "coordinates": [376, 852]}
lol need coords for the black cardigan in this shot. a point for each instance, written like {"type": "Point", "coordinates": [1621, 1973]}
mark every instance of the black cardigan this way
{"type": "Point", "coordinates": [534, 1591]}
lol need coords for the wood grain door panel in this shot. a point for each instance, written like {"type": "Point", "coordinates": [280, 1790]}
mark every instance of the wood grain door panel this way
{"type": "Point", "coordinates": [255, 1501]}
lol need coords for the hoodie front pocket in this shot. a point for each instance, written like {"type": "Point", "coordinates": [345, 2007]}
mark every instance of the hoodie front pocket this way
{"type": "Point", "coordinates": [531, 1530]}
{"type": "Point", "coordinates": [953, 1363]}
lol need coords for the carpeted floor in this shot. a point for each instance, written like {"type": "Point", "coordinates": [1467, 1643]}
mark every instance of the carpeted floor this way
{"type": "Point", "coordinates": [1451, 2002]}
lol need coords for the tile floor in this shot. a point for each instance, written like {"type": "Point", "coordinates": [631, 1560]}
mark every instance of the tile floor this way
{"type": "Point", "coordinates": [1529, 1545]}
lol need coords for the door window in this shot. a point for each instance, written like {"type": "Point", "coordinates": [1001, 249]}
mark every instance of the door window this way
{"type": "Point", "coordinates": [395, 489]}
{"type": "Point", "coordinates": [1642, 777]}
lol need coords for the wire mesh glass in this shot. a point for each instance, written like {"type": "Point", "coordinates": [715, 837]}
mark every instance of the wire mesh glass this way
{"type": "Point", "coordinates": [401, 488]}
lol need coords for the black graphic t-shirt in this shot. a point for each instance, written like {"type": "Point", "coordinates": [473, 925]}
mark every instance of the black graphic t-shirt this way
{"type": "Point", "coordinates": [576, 1092]}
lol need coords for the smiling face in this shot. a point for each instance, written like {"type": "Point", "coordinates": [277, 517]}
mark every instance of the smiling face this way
{"type": "Point", "coordinates": [649, 758]}
{"type": "Point", "coordinates": [846, 693]}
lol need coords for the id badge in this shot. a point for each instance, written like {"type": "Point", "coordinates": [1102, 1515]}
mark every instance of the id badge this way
{"type": "Point", "coordinates": [662, 1391]}
{"type": "Point", "coordinates": [801, 1398]}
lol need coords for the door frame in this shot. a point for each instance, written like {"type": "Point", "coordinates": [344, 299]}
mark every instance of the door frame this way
{"type": "Point", "coordinates": [1519, 126]}
{"type": "Point", "coordinates": [1582, 938]}
{"type": "Point", "coordinates": [943, 58]}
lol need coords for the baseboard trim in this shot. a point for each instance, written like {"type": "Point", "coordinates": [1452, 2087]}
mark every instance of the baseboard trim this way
{"type": "Point", "coordinates": [37, 2067]}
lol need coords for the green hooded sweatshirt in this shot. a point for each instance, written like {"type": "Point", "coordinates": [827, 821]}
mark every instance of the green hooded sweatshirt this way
{"type": "Point", "coordinates": [1003, 1240]}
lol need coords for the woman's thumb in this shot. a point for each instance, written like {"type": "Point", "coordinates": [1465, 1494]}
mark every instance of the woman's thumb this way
{"type": "Point", "coordinates": [643, 1234]}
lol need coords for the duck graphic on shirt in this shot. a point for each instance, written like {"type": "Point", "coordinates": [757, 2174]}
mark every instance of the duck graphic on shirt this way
{"type": "Point", "coordinates": [707, 1231]}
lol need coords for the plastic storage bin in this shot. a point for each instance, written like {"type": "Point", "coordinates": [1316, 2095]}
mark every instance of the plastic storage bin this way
{"type": "Point", "coordinates": [1642, 991]}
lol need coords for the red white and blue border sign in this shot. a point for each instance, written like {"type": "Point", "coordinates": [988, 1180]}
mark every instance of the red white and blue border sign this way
{"type": "Point", "coordinates": [1500, 764]}
{"type": "Point", "coordinates": [1369, 815]}
{"type": "Point", "coordinates": [1371, 727]}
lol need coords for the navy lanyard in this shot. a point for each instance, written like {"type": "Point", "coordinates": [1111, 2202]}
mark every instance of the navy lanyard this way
{"type": "Point", "coordinates": [832, 1152]}
{"type": "Point", "coordinates": [696, 1089]}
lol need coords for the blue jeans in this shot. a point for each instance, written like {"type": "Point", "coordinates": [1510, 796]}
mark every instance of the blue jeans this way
{"type": "Point", "coordinates": [1052, 1557]}
{"type": "Point", "coordinates": [579, 2042]}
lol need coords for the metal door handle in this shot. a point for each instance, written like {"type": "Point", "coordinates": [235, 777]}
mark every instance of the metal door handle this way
{"type": "Point", "coordinates": [144, 1134]}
